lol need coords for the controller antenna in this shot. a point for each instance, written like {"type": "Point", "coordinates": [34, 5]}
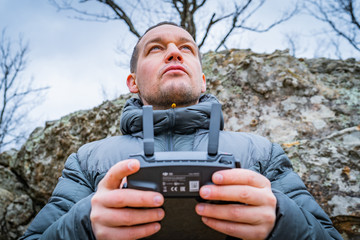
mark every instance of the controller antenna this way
{"type": "Point", "coordinates": [148, 130]}
{"type": "Point", "coordinates": [214, 129]}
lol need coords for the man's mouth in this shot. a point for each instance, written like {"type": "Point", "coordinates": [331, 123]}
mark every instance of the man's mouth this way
{"type": "Point", "coordinates": [174, 69]}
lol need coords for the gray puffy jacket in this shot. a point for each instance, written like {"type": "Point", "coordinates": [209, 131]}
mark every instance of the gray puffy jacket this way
{"type": "Point", "coordinates": [67, 214]}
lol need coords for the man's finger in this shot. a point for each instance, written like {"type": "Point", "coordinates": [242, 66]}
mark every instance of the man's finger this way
{"type": "Point", "coordinates": [238, 193]}
{"type": "Point", "coordinates": [125, 217]}
{"type": "Point", "coordinates": [120, 198]}
{"type": "Point", "coordinates": [116, 173]}
{"type": "Point", "coordinates": [240, 177]}
{"type": "Point", "coordinates": [134, 232]}
{"type": "Point", "coordinates": [236, 213]}
{"type": "Point", "coordinates": [238, 230]}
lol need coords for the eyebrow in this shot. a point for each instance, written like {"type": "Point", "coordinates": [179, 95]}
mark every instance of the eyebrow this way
{"type": "Point", "coordinates": [160, 39]}
{"type": "Point", "coordinates": [154, 40]}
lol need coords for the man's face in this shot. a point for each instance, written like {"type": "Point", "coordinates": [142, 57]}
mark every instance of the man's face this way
{"type": "Point", "coordinates": [168, 69]}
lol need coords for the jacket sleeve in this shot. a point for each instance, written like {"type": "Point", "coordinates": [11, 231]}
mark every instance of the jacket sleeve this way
{"type": "Point", "coordinates": [298, 216]}
{"type": "Point", "coordinates": [67, 214]}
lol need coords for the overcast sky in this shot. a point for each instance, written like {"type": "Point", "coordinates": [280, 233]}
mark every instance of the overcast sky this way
{"type": "Point", "coordinates": [76, 59]}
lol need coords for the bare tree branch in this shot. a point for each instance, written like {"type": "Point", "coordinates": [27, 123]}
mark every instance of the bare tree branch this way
{"type": "Point", "coordinates": [242, 25]}
{"type": "Point", "coordinates": [196, 7]}
{"type": "Point", "coordinates": [236, 14]}
{"type": "Point", "coordinates": [350, 9]}
{"type": "Point", "coordinates": [290, 40]}
{"type": "Point", "coordinates": [122, 15]}
{"type": "Point", "coordinates": [340, 16]}
{"type": "Point", "coordinates": [184, 12]}
{"type": "Point", "coordinates": [13, 91]}
{"type": "Point", "coordinates": [211, 23]}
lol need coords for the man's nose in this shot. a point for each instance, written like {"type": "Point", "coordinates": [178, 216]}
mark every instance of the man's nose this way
{"type": "Point", "coordinates": [173, 54]}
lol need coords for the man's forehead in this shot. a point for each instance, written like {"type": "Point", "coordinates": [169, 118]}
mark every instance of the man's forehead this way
{"type": "Point", "coordinates": [166, 32]}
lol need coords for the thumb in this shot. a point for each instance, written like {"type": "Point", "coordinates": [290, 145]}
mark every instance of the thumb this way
{"type": "Point", "coordinates": [116, 173]}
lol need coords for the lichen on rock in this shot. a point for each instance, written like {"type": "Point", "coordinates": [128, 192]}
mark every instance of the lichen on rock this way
{"type": "Point", "coordinates": [310, 106]}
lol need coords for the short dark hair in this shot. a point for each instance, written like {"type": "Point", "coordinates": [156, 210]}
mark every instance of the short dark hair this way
{"type": "Point", "coordinates": [135, 53]}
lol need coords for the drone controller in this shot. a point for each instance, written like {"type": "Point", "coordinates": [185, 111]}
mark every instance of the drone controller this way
{"type": "Point", "coordinates": [179, 174]}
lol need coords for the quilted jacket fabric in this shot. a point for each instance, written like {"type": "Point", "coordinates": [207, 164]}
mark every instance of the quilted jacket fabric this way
{"type": "Point", "coordinates": [67, 214]}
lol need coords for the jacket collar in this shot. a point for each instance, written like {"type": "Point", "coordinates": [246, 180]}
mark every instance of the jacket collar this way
{"type": "Point", "coordinates": [177, 120]}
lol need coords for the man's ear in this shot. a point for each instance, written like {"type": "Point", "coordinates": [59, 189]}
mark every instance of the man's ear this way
{"type": "Point", "coordinates": [203, 84]}
{"type": "Point", "coordinates": [131, 83]}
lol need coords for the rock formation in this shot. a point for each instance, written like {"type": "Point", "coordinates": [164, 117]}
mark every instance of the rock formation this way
{"type": "Point", "coordinates": [310, 106]}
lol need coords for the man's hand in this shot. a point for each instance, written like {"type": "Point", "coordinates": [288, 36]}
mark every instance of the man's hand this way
{"type": "Point", "coordinates": [252, 220]}
{"type": "Point", "coordinates": [116, 213]}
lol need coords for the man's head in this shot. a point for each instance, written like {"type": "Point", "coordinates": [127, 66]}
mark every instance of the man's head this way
{"type": "Point", "coordinates": [135, 53]}
{"type": "Point", "coordinates": [166, 68]}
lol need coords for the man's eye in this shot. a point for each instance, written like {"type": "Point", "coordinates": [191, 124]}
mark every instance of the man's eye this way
{"type": "Point", "coordinates": [154, 48]}
{"type": "Point", "coordinates": [186, 48]}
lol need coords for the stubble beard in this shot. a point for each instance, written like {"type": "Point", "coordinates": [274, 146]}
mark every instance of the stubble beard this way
{"type": "Point", "coordinates": [182, 96]}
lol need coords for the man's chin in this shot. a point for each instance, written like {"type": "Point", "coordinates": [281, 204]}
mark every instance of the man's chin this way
{"type": "Point", "coordinates": [164, 100]}
{"type": "Point", "coordinates": [178, 87]}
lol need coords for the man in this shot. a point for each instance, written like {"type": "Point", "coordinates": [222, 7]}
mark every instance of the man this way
{"type": "Point", "coordinates": [89, 201]}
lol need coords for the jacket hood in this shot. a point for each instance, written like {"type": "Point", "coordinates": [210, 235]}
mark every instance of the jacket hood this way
{"type": "Point", "coordinates": [178, 120]}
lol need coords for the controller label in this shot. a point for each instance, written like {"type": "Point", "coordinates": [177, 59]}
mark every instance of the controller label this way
{"type": "Point", "coordinates": [180, 182]}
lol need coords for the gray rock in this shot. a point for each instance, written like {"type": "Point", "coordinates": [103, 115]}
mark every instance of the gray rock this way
{"type": "Point", "coordinates": [310, 106]}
